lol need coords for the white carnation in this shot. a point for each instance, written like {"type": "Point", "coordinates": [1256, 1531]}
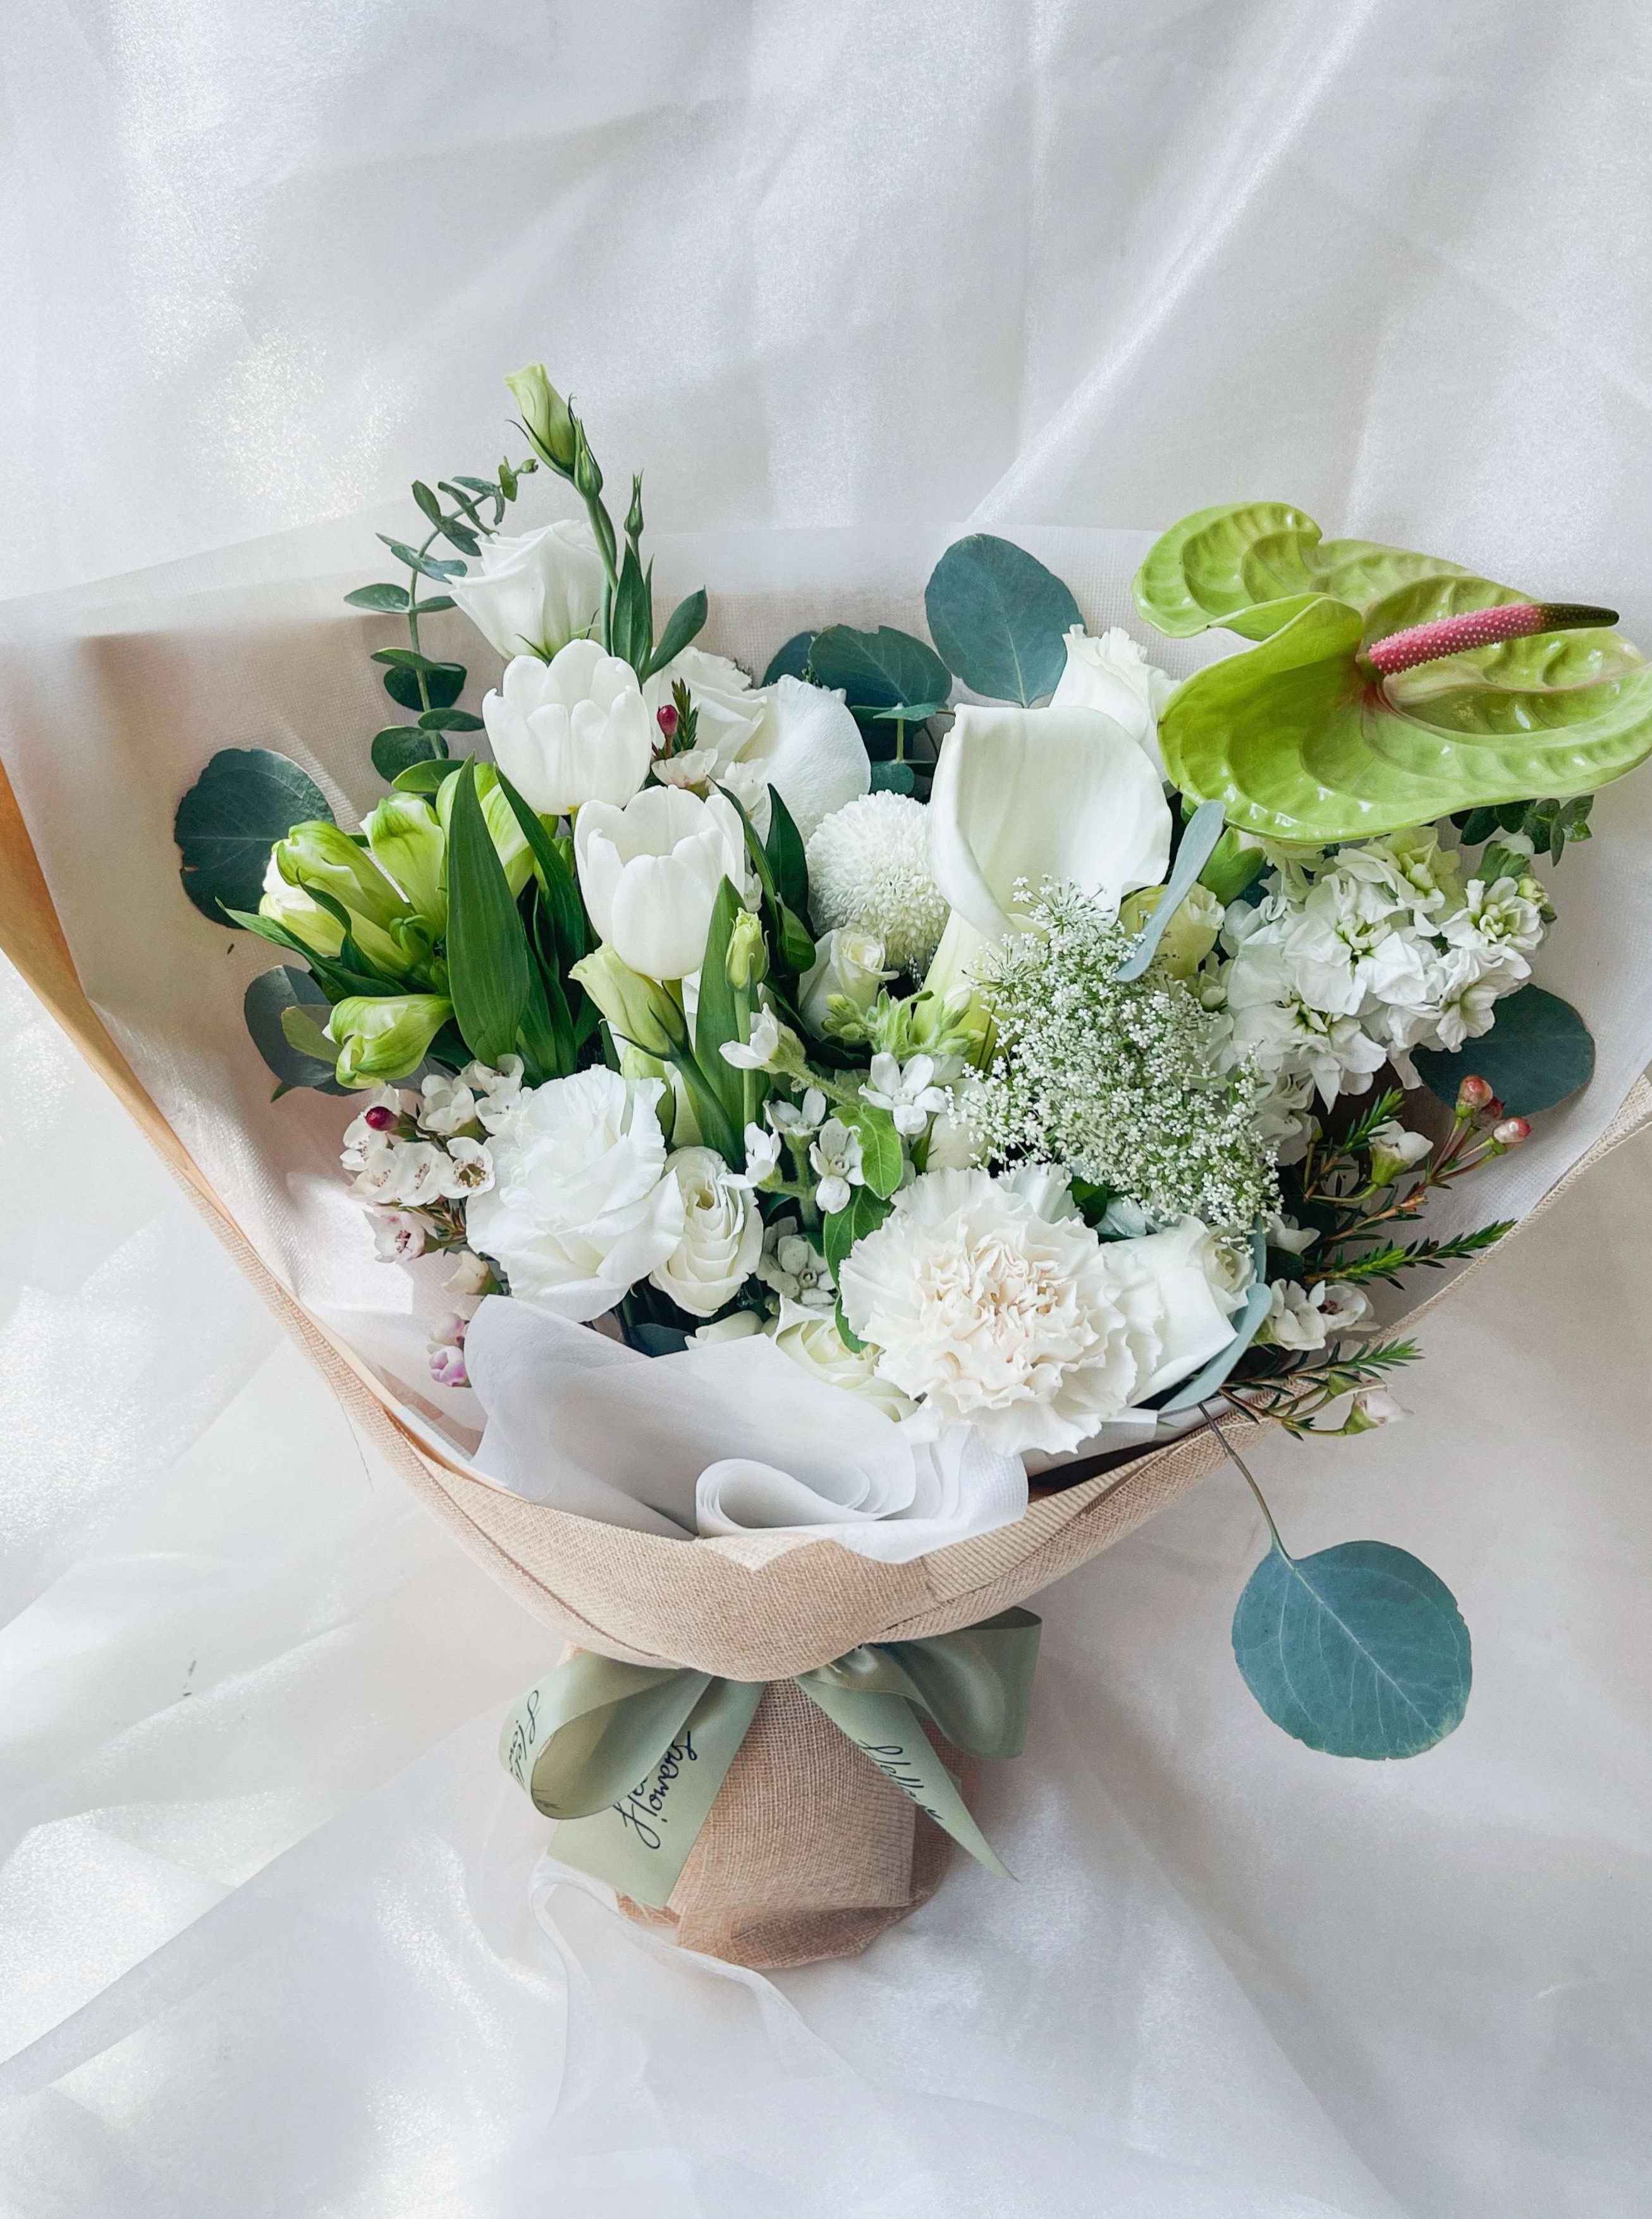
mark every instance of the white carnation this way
{"type": "Point", "coordinates": [869, 865]}
{"type": "Point", "coordinates": [722, 1236]}
{"type": "Point", "coordinates": [582, 1206]}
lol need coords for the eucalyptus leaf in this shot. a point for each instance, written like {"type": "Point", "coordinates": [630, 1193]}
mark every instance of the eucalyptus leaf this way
{"type": "Point", "coordinates": [443, 683]}
{"type": "Point", "coordinates": [399, 746]}
{"type": "Point", "coordinates": [390, 599]}
{"type": "Point", "coordinates": [486, 947]}
{"type": "Point", "coordinates": [884, 670]}
{"type": "Point", "coordinates": [428, 566]}
{"type": "Point", "coordinates": [1000, 619]}
{"type": "Point", "coordinates": [273, 998]}
{"type": "Point", "coordinates": [1358, 1650]}
{"type": "Point", "coordinates": [449, 720]}
{"type": "Point", "coordinates": [1538, 1052]}
{"type": "Point", "coordinates": [245, 800]}
{"type": "Point", "coordinates": [791, 661]}
{"type": "Point", "coordinates": [428, 607]}
{"type": "Point", "coordinates": [893, 778]}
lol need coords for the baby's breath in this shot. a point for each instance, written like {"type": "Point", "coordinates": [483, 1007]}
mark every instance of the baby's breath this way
{"type": "Point", "coordinates": [1117, 1081]}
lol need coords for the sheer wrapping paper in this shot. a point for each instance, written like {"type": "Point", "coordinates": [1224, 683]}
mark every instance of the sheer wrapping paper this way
{"type": "Point", "coordinates": [1063, 266]}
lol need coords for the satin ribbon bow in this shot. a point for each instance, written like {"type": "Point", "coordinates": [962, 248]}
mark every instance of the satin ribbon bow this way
{"type": "Point", "coordinates": [629, 1757]}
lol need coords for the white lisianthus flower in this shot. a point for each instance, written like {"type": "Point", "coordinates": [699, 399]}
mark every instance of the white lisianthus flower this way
{"type": "Point", "coordinates": [534, 593]}
{"type": "Point", "coordinates": [571, 731]}
{"type": "Point", "coordinates": [1111, 673]}
{"type": "Point", "coordinates": [849, 962]}
{"type": "Point", "coordinates": [722, 1237]}
{"type": "Point", "coordinates": [650, 874]}
{"type": "Point", "coordinates": [869, 868]}
{"type": "Point", "coordinates": [811, 1338]}
{"type": "Point", "coordinates": [995, 1304]}
{"type": "Point", "coordinates": [581, 1205]}
{"type": "Point", "coordinates": [728, 707]}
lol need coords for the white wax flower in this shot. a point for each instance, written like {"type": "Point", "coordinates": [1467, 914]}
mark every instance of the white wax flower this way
{"type": "Point", "coordinates": [995, 1304]}
{"type": "Point", "coordinates": [532, 594]}
{"type": "Point", "coordinates": [650, 874]}
{"type": "Point", "coordinates": [582, 1206]}
{"type": "Point", "coordinates": [848, 962]}
{"type": "Point", "coordinates": [570, 730]}
{"type": "Point", "coordinates": [399, 1235]}
{"type": "Point", "coordinates": [869, 868]}
{"type": "Point", "coordinates": [722, 1237]}
{"type": "Point", "coordinates": [1395, 1149]}
{"type": "Point", "coordinates": [1306, 1318]}
{"type": "Point", "coordinates": [1111, 673]}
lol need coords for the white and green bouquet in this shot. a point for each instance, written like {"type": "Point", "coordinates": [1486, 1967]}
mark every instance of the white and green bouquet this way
{"type": "Point", "coordinates": [938, 1066]}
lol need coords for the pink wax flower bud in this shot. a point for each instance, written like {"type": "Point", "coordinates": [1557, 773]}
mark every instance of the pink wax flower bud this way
{"type": "Point", "coordinates": [447, 1367]}
{"type": "Point", "coordinates": [1426, 643]}
{"type": "Point", "coordinates": [1512, 1132]}
{"type": "Point", "coordinates": [1473, 1095]}
{"type": "Point", "coordinates": [380, 1118]}
{"type": "Point", "coordinates": [667, 718]}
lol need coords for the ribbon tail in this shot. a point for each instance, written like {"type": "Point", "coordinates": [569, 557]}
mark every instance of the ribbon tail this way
{"type": "Point", "coordinates": [886, 1728]}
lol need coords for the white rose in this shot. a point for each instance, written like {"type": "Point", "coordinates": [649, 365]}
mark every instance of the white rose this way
{"type": "Point", "coordinates": [570, 730]}
{"type": "Point", "coordinates": [799, 739]}
{"type": "Point", "coordinates": [535, 593]}
{"type": "Point", "coordinates": [848, 962]}
{"type": "Point", "coordinates": [811, 1338]}
{"type": "Point", "coordinates": [651, 873]}
{"type": "Point", "coordinates": [1111, 674]}
{"type": "Point", "coordinates": [582, 1205]}
{"type": "Point", "coordinates": [728, 707]}
{"type": "Point", "coordinates": [722, 1236]}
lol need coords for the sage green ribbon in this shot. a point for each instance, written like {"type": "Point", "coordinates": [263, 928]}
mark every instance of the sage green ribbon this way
{"type": "Point", "coordinates": [629, 1757]}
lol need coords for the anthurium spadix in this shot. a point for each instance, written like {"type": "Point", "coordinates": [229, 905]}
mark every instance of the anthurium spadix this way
{"type": "Point", "coordinates": [1386, 689]}
{"type": "Point", "coordinates": [1023, 796]}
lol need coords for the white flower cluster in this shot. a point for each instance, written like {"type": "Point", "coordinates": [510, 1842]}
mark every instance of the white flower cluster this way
{"type": "Point", "coordinates": [1352, 960]}
{"type": "Point", "coordinates": [409, 1152]}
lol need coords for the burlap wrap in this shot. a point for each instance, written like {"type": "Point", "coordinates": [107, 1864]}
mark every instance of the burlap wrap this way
{"type": "Point", "coordinates": [808, 1851]}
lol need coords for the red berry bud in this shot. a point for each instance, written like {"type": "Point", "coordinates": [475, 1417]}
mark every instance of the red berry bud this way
{"type": "Point", "coordinates": [665, 717]}
{"type": "Point", "coordinates": [1473, 1094]}
{"type": "Point", "coordinates": [1512, 1132]}
{"type": "Point", "coordinates": [380, 1119]}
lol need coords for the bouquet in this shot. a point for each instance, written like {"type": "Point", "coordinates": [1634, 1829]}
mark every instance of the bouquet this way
{"type": "Point", "coordinates": [901, 1102]}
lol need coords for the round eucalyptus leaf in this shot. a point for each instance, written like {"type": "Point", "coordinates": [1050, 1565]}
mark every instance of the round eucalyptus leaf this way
{"type": "Point", "coordinates": [443, 680]}
{"type": "Point", "coordinates": [1359, 1651]}
{"type": "Point", "coordinates": [1000, 619]}
{"type": "Point", "coordinates": [893, 778]}
{"type": "Point", "coordinates": [791, 661]}
{"type": "Point", "coordinates": [245, 800]}
{"type": "Point", "coordinates": [1538, 1052]}
{"type": "Point", "coordinates": [880, 670]}
{"type": "Point", "coordinates": [271, 995]}
{"type": "Point", "coordinates": [399, 746]}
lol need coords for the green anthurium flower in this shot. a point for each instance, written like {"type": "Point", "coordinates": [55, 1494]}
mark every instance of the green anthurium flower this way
{"type": "Point", "coordinates": [1387, 688]}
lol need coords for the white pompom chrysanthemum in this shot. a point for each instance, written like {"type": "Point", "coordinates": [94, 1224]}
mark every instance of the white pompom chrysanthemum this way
{"type": "Point", "coordinates": [869, 865]}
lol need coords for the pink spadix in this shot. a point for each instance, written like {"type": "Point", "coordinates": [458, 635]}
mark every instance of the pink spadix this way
{"type": "Point", "coordinates": [1426, 643]}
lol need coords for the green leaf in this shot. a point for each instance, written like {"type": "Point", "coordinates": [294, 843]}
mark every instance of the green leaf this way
{"type": "Point", "coordinates": [633, 616]}
{"type": "Point", "coordinates": [786, 861]}
{"type": "Point", "coordinates": [865, 1213]}
{"type": "Point", "coordinates": [1538, 1052]}
{"type": "Point", "coordinates": [449, 720]}
{"type": "Point", "coordinates": [443, 683]}
{"type": "Point", "coordinates": [1359, 1651]}
{"type": "Point", "coordinates": [275, 997]}
{"type": "Point", "coordinates": [427, 501]}
{"type": "Point", "coordinates": [882, 670]}
{"type": "Point", "coordinates": [1000, 619]}
{"type": "Point", "coordinates": [684, 625]}
{"type": "Point", "coordinates": [391, 598]}
{"type": "Point", "coordinates": [428, 608]}
{"type": "Point", "coordinates": [718, 1014]}
{"type": "Point", "coordinates": [880, 1146]}
{"type": "Point", "coordinates": [245, 800]}
{"type": "Point", "coordinates": [909, 712]}
{"type": "Point", "coordinates": [845, 1331]}
{"type": "Point", "coordinates": [428, 566]}
{"type": "Point", "coordinates": [399, 746]}
{"type": "Point", "coordinates": [425, 777]}
{"type": "Point", "coordinates": [791, 661]}
{"type": "Point", "coordinates": [461, 536]}
{"type": "Point", "coordinates": [556, 874]}
{"type": "Point", "coordinates": [893, 778]}
{"type": "Point", "coordinates": [487, 948]}
{"type": "Point", "coordinates": [1198, 844]}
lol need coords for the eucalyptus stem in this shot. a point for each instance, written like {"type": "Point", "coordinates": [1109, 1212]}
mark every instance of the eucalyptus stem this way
{"type": "Point", "coordinates": [1246, 1473]}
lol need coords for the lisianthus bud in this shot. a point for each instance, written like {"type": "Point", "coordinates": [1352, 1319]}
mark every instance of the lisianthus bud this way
{"type": "Point", "coordinates": [638, 1010]}
{"type": "Point", "coordinates": [1510, 1132]}
{"type": "Point", "coordinates": [384, 1037]}
{"type": "Point", "coordinates": [545, 417]}
{"type": "Point", "coordinates": [748, 957]}
{"type": "Point", "coordinates": [405, 839]}
{"type": "Point", "coordinates": [1472, 1095]}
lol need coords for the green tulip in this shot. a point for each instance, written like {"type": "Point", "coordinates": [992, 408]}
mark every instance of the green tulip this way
{"type": "Point", "coordinates": [545, 417]}
{"type": "Point", "coordinates": [384, 1038]}
{"type": "Point", "coordinates": [405, 839]}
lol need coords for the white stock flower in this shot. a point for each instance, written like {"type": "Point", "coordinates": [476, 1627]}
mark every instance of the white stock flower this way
{"type": "Point", "coordinates": [869, 868]}
{"type": "Point", "coordinates": [848, 962]}
{"type": "Point", "coordinates": [571, 731]}
{"type": "Point", "coordinates": [722, 1237]}
{"type": "Point", "coordinates": [534, 592]}
{"type": "Point", "coordinates": [1500, 921]}
{"type": "Point", "coordinates": [909, 1095]}
{"type": "Point", "coordinates": [582, 1207]}
{"type": "Point", "coordinates": [650, 874]}
{"type": "Point", "coordinates": [1111, 673]}
{"type": "Point", "coordinates": [1468, 994]}
{"type": "Point", "coordinates": [995, 1304]}
{"type": "Point", "coordinates": [836, 1156]}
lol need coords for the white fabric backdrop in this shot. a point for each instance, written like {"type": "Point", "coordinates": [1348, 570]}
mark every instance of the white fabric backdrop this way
{"type": "Point", "coordinates": [265, 1942]}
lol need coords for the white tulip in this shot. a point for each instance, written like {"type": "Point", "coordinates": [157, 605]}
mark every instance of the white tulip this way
{"type": "Point", "coordinates": [1111, 673]}
{"type": "Point", "coordinates": [535, 593]}
{"type": "Point", "coordinates": [722, 1235]}
{"type": "Point", "coordinates": [571, 731]}
{"type": "Point", "coordinates": [1037, 794]}
{"type": "Point", "coordinates": [651, 873]}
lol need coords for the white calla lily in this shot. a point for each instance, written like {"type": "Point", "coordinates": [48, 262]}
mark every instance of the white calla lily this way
{"type": "Point", "coordinates": [650, 872]}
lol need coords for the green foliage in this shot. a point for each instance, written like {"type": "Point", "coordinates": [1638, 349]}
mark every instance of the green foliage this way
{"type": "Point", "coordinates": [1358, 1650]}
{"type": "Point", "coordinates": [880, 1146]}
{"type": "Point", "coordinates": [274, 997]}
{"type": "Point", "coordinates": [786, 861]}
{"type": "Point", "coordinates": [245, 800]}
{"type": "Point", "coordinates": [398, 747]}
{"type": "Point", "coordinates": [1548, 825]}
{"type": "Point", "coordinates": [488, 969]}
{"type": "Point", "coordinates": [721, 1013]}
{"type": "Point", "coordinates": [683, 626]}
{"type": "Point", "coordinates": [1000, 619]}
{"type": "Point", "coordinates": [791, 661]}
{"type": "Point", "coordinates": [426, 684]}
{"type": "Point", "coordinates": [391, 599]}
{"type": "Point", "coordinates": [1538, 1053]}
{"type": "Point", "coordinates": [425, 777]}
{"type": "Point", "coordinates": [864, 1212]}
{"type": "Point", "coordinates": [881, 671]}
